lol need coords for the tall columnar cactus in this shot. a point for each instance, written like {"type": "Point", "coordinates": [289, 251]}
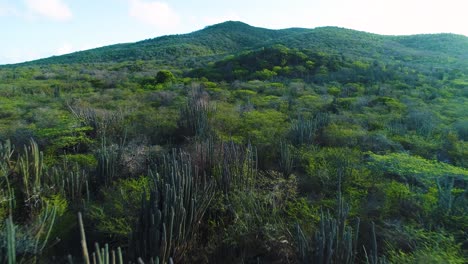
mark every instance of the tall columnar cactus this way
{"type": "Point", "coordinates": [6, 152]}
{"type": "Point", "coordinates": [108, 163]}
{"type": "Point", "coordinates": [6, 168]}
{"type": "Point", "coordinates": [170, 218]}
{"type": "Point", "coordinates": [206, 154]}
{"type": "Point", "coordinates": [286, 161]}
{"type": "Point", "coordinates": [105, 123]}
{"type": "Point", "coordinates": [445, 197]}
{"type": "Point", "coordinates": [303, 130]}
{"type": "Point", "coordinates": [196, 113]}
{"type": "Point", "coordinates": [373, 257]}
{"type": "Point", "coordinates": [237, 168]}
{"type": "Point", "coordinates": [24, 244]}
{"type": "Point", "coordinates": [31, 169]}
{"type": "Point", "coordinates": [70, 181]}
{"type": "Point", "coordinates": [8, 243]}
{"type": "Point", "coordinates": [101, 255]}
{"type": "Point", "coordinates": [231, 165]}
{"type": "Point", "coordinates": [334, 241]}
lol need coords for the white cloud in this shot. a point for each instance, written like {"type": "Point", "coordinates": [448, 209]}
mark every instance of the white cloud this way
{"type": "Point", "coordinates": [7, 10]}
{"type": "Point", "coordinates": [53, 9]}
{"type": "Point", "coordinates": [154, 13]}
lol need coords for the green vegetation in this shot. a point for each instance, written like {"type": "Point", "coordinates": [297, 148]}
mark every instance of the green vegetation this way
{"type": "Point", "coordinates": [236, 144]}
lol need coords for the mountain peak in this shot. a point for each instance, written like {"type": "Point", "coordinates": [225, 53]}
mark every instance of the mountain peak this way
{"type": "Point", "coordinates": [228, 24]}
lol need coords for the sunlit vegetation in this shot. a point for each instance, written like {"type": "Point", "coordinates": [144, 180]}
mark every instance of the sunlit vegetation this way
{"type": "Point", "coordinates": [237, 144]}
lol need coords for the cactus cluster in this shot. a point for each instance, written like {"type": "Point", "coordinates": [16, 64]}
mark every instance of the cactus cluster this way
{"type": "Point", "coordinates": [196, 113]}
{"type": "Point", "coordinates": [24, 242]}
{"type": "Point", "coordinates": [101, 255]}
{"type": "Point", "coordinates": [31, 168]}
{"type": "Point", "coordinates": [334, 241]}
{"type": "Point", "coordinates": [107, 164]}
{"type": "Point", "coordinates": [237, 168]}
{"type": "Point", "coordinates": [231, 165]}
{"type": "Point", "coordinates": [169, 219]}
{"type": "Point", "coordinates": [70, 182]}
{"type": "Point", "coordinates": [373, 257]}
{"type": "Point", "coordinates": [303, 131]}
{"type": "Point", "coordinates": [104, 123]}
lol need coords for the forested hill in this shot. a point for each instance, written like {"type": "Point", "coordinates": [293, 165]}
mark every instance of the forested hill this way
{"type": "Point", "coordinates": [222, 38]}
{"type": "Point", "coordinates": [232, 37]}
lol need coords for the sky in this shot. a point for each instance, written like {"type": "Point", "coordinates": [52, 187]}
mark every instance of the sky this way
{"type": "Point", "coordinates": [33, 29]}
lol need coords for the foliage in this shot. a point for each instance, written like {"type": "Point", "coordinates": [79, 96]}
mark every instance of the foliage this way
{"type": "Point", "coordinates": [269, 125]}
{"type": "Point", "coordinates": [164, 76]}
{"type": "Point", "coordinates": [415, 168]}
{"type": "Point", "coordinates": [119, 207]}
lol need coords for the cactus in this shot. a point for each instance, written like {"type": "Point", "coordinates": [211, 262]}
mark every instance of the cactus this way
{"type": "Point", "coordinates": [105, 123]}
{"type": "Point", "coordinates": [374, 258]}
{"type": "Point", "coordinates": [69, 180]}
{"type": "Point", "coordinates": [196, 113]}
{"type": "Point", "coordinates": [237, 168]}
{"type": "Point", "coordinates": [231, 165]}
{"type": "Point", "coordinates": [107, 167]}
{"type": "Point", "coordinates": [302, 244]}
{"type": "Point", "coordinates": [84, 246]}
{"type": "Point", "coordinates": [170, 218]}
{"type": "Point", "coordinates": [445, 197]}
{"type": "Point", "coordinates": [206, 154]}
{"type": "Point", "coordinates": [31, 169]}
{"type": "Point", "coordinates": [25, 243]}
{"type": "Point", "coordinates": [286, 161]}
{"type": "Point", "coordinates": [333, 242]}
{"type": "Point", "coordinates": [303, 131]}
{"type": "Point", "coordinates": [101, 255]}
{"type": "Point", "coordinates": [6, 152]}
{"type": "Point", "coordinates": [6, 167]}
{"type": "Point", "coordinates": [10, 241]}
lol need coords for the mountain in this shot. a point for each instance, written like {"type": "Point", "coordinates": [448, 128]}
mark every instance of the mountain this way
{"type": "Point", "coordinates": [218, 39]}
{"type": "Point", "coordinates": [232, 37]}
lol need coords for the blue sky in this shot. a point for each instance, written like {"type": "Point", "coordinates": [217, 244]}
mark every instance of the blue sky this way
{"type": "Point", "coordinates": [32, 29]}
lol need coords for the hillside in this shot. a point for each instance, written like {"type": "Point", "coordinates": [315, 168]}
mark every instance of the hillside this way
{"type": "Point", "coordinates": [232, 37]}
{"type": "Point", "coordinates": [236, 144]}
{"type": "Point", "coordinates": [218, 39]}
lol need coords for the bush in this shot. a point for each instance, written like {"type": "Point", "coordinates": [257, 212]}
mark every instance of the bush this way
{"type": "Point", "coordinates": [118, 210]}
{"type": "Point", "coordinates": [164, 76]}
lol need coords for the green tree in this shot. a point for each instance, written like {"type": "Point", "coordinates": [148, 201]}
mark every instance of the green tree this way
{"type": "Point", "coordinates": [164, 76]}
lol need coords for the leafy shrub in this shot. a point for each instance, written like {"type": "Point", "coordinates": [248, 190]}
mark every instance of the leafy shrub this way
{"type": "Point", "coordinates": [119, 207]}
{"type": "Point", "coordinates": [414, 168]}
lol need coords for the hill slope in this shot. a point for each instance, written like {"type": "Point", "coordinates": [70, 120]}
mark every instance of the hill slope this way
{"type": "Point", "coordinates": [222, 38]}
{"type": "Point", "coordinates": [232, 37]}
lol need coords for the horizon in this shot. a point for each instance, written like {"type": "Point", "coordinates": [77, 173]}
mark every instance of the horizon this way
{"type": "Point", "coordinates": [44, 28]}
